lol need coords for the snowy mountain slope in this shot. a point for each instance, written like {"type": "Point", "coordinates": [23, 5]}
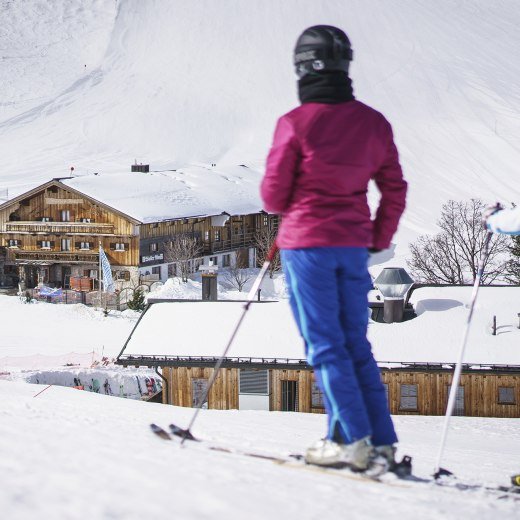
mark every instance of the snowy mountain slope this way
{"type": "Point", "coordinates": [68, 454]}
{"type": "Point", "coordinates": [202, 81]}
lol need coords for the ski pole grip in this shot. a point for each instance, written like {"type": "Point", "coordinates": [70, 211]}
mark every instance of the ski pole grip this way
{"type": "Point", "coordinates": [272, 252]}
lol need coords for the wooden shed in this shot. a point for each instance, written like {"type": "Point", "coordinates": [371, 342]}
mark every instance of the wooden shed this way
{"type": "Point", "coordinates": [266, 369]}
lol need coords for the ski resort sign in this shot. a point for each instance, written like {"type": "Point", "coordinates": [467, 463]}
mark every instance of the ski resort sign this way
{"type": "Point", "coordinates": [158, 257]}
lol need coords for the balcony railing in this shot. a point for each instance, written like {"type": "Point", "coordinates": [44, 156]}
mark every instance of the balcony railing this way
{"type": "Point", "coordinates": [65, 257]}
{"type": "Point", "coordinates": [78, 228]}
{"type": "Point", "coordinates": [237, 241]}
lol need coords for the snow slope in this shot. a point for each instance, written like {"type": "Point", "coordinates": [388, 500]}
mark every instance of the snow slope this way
{"type": "Point", "coordinates": [173, 83]}
{"type": "Point", "coordinates": [39, 335]}
{"type": "Point", "coordinates": [69, 455]}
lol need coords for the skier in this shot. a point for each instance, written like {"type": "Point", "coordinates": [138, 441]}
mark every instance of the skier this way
{"type": "Point", "coordinates": [500, 220]}
{"type": "Point", "coordinates": [323, 156]}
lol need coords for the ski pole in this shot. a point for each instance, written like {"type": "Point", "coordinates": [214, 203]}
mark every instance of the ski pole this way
{"type": "Point", "coordinates": [46, 388]}
{"type": "Point", "coordinates": [250, 297]}
{"type": "Point", "coordinates": [438, 471]}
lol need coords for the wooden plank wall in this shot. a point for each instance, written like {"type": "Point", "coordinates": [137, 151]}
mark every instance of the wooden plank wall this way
{"type": "Point", "coordinates": [304, 379]}
{"type": "Point", "coordinates": [480, 393]}
{"type": "Point", "coordinates": [223, 395]}
{"type": "Point", "coordinates": [480, 390]}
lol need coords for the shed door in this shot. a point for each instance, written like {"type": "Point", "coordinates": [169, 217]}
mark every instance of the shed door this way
{"type": "Point", "coordinates": [289, 396]}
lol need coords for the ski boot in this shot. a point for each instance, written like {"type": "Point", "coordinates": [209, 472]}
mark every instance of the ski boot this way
{"type": "Point", "coordinates": [356, 455]}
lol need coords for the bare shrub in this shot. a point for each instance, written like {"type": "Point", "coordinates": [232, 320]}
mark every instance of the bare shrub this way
{"type": "Point", "coordinates": [237, 277]}
{"type": "Point", "coordinates": [452, 255]}
{"type": "Point", "coordinates": [181, 250]}
{"type": "Point", "coordinates": [263, 241]}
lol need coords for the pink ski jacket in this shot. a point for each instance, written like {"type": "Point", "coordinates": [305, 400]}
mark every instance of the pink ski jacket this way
{"type": "Point", "coordinates": [321, 161]}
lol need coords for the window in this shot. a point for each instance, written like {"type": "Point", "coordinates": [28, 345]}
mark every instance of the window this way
{"type": "Point", "coordinates": [458, 409]}
{"type": "Point", "coordinates": [156, 270]}
{"type": "Point", "coordinates": [91, 273]}
{"type": "Point", "coordinates": [65, 215]}
{"type": "Point", "coordinates": [84, 245]}
{"type": "Point", "coordinates": [13, 242]}
{"type": "Point", "coordinates": [45, 244]}
{"type": "Point", "coordinates": [44, 219]}
{"type": "Point", "coordinates": [266, 220]}
{"type": "Point", "coordinates": [198, 389]}
{"type": "Point", "coordinates": [206, 236]}
{"type": "Point", "coordinates": [86, 220]}
{"type": "Point", "coordinates": [119, 246]}
{"type": "Point", "coordinates": [121, 275]}
{"type": "Point", "coordinates": [385, 385]}
{"type": "Point", "coordinates": [408, 397]}
{"type": "Point", "coordinates": [65, 244]}
{"type": "Point", "coordinates": [506, 395]}
{"type": "Point", "coordinates": [254, 382]}
{"type": "Point", "coordinates": [226, 260]}
{"type": "Point", "coordinates": [154, 246]}
{"type": "Point", "coordinates": [172, 270]}
{"type": "Point", "coordinates": [213, 260]}
{"type": "Point", "coordinates": [217, 235]}
{"type": "Point", "coordinates": [316, 396]}
{"type": "Point", "coordinates": [289, 396]}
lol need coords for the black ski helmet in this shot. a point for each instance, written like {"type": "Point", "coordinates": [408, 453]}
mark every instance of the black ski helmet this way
{"type": "Point", "coordinates": [322, 48]}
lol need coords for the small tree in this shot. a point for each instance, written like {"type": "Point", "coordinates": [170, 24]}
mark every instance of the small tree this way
{"type": "Point", "coordinates": [237, 277]}
{"type": "Point", "coordinates": [137, 302]}
{"type": "Point", "coordinates": [181, 250]}
{"type": "Point", "coordinates": [452, 255]}
{"type": "Point", "coordinates": [512, 274]}
{"type": "Point", "coordinates": [263, 241]}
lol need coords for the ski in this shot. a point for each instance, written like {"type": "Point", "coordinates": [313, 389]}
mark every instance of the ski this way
{"type": "Point", "coordinates": [294, 460]}
{"type": "Point", "coordinates": [400, 476]}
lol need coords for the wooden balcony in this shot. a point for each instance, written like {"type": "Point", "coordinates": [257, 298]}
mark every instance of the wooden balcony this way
{"type": "Point", "coordinates": [56, 257]}
{"type": "Point", "coordinates": [76, 228]}
{"type": "Point", "coordinates": [238, 241]}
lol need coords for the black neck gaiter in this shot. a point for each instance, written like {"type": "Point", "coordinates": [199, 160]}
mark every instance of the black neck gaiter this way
{"type": "Point", "coordinates": [325, 87]}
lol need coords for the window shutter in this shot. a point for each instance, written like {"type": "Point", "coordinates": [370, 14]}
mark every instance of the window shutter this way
{"type": "Point", "coordinates": [52, 243]}
{"type": "Point", "coordinates": [254, 382]}
{"type": "Point", "coordinates": [112, 246]}
{"type": "Point", "coordinates": [77, 245]}
{"type": "Point", "coordinates": [39, 243]}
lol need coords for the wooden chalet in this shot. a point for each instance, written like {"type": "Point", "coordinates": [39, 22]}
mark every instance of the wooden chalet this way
{"type": "Point", "coordinates": [266, 370]}
{"type": "Point", "coordinates": [51, 235]}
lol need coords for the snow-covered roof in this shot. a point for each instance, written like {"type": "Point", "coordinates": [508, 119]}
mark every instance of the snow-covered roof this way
{"type": "Point", "coordinates": [187, 192]}
{"type": "Point", "coordinates": [435, 335]}
{"type": "Point", "coordinates": [203, 329]}
{"type": "Point", "coordinates": [268, 331]}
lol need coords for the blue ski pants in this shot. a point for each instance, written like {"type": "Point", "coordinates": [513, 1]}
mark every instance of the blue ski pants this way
{"type": "Point", "coordinates": [328, 288]}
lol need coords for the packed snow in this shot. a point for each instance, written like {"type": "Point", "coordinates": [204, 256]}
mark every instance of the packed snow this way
{"type": "Point", "coordinates": [67, 454]}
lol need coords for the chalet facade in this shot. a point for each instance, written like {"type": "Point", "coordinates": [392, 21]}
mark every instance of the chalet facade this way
{"type": "Point", "coordinates": [290, 385]}
{"type": "Point", "coordinates": [51, 235]}
{"type": "Point", "coordinates": [266, 369]}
